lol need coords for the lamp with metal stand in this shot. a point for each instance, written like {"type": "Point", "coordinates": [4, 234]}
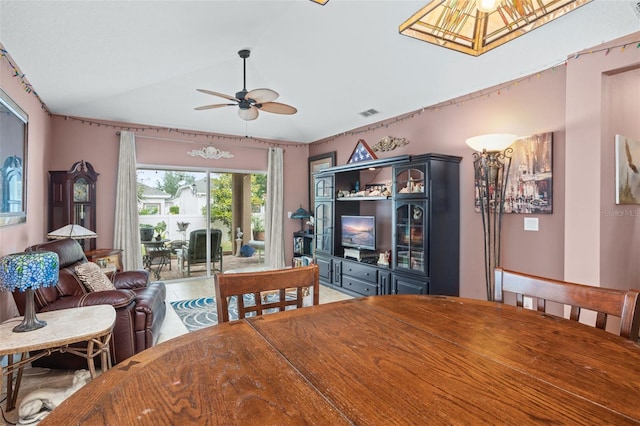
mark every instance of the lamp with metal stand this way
{"type": "Point", "coordinates": [25, 272]}
{"type": "Point", "coordinates": [491, 164]}
{"type": "Point", "coordinates": [301, 214]}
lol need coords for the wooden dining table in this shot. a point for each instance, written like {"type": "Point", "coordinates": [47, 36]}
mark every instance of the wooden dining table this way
{"type": "Point", "coordinates": [396, 359]}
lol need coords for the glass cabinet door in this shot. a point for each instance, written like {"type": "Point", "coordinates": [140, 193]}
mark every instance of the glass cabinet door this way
{"type": "Point", "coordinates": [324, 187]}
{"type": "Point", "coordinates": [324, 226]}
{"type": "Point", "coordinates": [411, 236]}
{"type": "Point", "coordinates": [323, 213]}
{"type": "Point", "coordinates": [410, 181]}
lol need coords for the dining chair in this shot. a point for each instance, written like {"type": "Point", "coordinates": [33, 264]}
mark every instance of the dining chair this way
{"type": "Point", "coordinates": [197, 249]}
{"type": "Point", "coordinates": [270, 289]}
{"type": "Point", "coordinates": [624, 304]}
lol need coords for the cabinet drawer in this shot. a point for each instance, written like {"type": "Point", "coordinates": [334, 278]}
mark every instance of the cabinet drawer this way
{"type": "Point", "coordinates": [363, 272]}
{"type": "Point", "coordinates": [359, 286]}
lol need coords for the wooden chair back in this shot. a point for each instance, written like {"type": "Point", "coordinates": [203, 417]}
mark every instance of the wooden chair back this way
{"type": "Point", "coordinates": [278, 281]}
{"type": "Point", "coordinates": [624, 304]}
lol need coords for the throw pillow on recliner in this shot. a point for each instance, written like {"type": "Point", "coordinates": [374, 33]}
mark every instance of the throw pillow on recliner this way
{"type": "Point", "coordinates": [93, 278]}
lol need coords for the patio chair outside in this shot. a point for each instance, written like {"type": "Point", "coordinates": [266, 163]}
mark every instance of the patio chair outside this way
{"type": "Point", "coordinates": [197, 250]}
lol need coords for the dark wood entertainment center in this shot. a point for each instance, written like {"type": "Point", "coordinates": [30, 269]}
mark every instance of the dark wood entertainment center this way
{"type": "Point", "coordinates": [416, 202]}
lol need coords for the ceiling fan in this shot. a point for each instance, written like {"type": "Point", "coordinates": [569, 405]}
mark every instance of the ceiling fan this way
{"type": "Point", "coordinates": [249, 102]}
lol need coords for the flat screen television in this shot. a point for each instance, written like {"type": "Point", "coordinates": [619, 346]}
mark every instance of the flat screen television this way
{"type": "Point", "coordinates": [359, 232]}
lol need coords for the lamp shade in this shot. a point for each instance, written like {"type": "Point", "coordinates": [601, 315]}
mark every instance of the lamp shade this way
{"type": "Point", "coordinates": [73, 231]}
{"type": "Point", "coordinates": [300, 214]}
{"type": "Point", "coordinates": [28, 270]}
{"type": "Point", "coordinates": [492, 142]}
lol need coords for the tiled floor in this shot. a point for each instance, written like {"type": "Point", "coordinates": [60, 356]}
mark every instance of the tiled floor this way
{"type": "Point", "coordinates": [172, 327]}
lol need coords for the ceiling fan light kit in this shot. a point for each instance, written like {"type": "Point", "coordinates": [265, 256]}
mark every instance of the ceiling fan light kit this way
{"type": "Point", "coordinates": [477, 26]}
{"type": "Point", "coordinates": [250, 102]}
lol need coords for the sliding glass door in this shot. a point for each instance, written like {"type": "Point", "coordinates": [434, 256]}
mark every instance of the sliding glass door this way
{"type": "Point", "coordinates": [194, 220]}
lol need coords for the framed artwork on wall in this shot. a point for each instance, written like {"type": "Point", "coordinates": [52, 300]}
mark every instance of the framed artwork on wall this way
{"type": "Point", "coordinates": [361, 152]}
{"type": "Point", "coordinates": [317, 163]}
{"type": "Point", "coordinates": [530, 180]}
{"type": "Point", "coordinates": [627, 173]}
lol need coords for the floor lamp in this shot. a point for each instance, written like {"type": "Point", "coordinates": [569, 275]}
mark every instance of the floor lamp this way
{"type": "Point", "coordinates": [491, 164]}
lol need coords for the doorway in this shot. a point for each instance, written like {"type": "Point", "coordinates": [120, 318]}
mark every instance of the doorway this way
{"type": "Point", "coordinates": [174, 203]}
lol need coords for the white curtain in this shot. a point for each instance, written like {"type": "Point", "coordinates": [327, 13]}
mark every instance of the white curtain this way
{"type": "Point", "coordinates": [125, 233]}
{"type": "Point", "coordinates": [274, 215]}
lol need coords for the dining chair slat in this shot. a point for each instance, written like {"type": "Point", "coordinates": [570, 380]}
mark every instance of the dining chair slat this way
{"type": "Point", "coordinates": [624, 304]}
{"type": "Point", "coordinates": [278, 282]}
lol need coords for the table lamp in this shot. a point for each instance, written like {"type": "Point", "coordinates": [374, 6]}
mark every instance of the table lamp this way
{"type": "Point", "coordinates": [301, 214]}
{"type": "Point", "coordinates": [25, 272]}
{"type": "Point", "coordinates": [73, 231]}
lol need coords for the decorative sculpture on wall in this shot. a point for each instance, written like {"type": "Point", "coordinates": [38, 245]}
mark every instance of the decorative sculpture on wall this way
{"type": "Point", "coordinates": [389, 143]}
{"type": "Point", "coordinates": [210, 152]}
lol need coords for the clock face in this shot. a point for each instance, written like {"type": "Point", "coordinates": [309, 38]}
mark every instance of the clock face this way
{"type": "Point", "coordinates": [80, 191]}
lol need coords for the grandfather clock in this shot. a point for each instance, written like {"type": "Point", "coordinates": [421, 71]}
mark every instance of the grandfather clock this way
{"type": "Point", "coordinates": [72, 199]}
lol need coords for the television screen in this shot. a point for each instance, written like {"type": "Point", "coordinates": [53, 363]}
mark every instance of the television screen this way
{"type": "Point", "coordinates": [359, 232]}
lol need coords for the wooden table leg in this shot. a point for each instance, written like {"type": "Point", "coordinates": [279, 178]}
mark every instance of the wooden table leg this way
{"type": "Point", "coordinates": [106, 353]}
{"type": "Point", "coordinates": [12, 393]}
{"type": "Point", "coordinates": [90, 363]}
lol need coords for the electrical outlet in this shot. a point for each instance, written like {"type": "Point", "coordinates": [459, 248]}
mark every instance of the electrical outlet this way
{"type": "Point", "coordinates": [527, 302]}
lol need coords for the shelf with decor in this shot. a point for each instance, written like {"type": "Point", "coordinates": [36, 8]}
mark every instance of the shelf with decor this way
{"type": "Point", "coordinates": [362, 198]}
{"type": "Point", "coordinates": [410, 243]}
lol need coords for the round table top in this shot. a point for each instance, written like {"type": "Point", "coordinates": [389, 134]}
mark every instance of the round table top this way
{"type": "Point", "coordinates": [375, 360]}
{"type": "Point", "coordinates": [65, 326]}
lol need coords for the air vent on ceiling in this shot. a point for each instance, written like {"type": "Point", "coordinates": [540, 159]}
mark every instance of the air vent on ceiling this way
{"type": "Point", "coordinates": [368, 112]}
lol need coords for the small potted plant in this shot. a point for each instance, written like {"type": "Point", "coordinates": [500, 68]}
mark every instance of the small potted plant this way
{"type": "Point", "coordinates": [257, 228]}
{"type": "Point", "coordinates": [146, 232]}
{"type": "Point", "coordinates": [160, 228]}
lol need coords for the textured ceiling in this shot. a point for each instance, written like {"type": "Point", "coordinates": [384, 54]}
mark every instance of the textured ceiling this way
{"type": "Point", "coordinates": [142, 61]}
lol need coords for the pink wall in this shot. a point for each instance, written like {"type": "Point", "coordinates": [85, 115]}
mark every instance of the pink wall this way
{"type": "Point", "coordinates": [17, 237]}
{"type": "Point", "coordinates": [99, 145]}
{"type": "Point", "coordinates": [601, 249]}
{"type": "Point", "coordinates": [620, 245]}
{"type": "Point", "coordinates": [535, 105]}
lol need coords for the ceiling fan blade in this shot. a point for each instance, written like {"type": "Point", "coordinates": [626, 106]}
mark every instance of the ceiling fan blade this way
{"type": "Point", "coordinates": [278, 108]}
{"type": "Point", "coordinates": [222, 95]}
{"type": "Point", "coordinates": [262, 95]}
{"type": "Point", "coordinates": [248, 114]}
{"type": "Point", "coordinates": [213, 106]}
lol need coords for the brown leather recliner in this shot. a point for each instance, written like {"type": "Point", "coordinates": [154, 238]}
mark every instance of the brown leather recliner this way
{"type": "Point", "coordinates": [140, 305]}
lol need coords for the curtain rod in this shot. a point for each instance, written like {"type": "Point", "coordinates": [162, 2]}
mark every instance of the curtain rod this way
{"type": "Point", "coordinates": [197, 143]}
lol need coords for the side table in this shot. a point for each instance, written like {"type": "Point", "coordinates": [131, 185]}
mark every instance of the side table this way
{"type": "Point", "coordinates": [158, 255]}
{"type": "Point", "coordinates": [109, 255]}
{"type": "Point", "coordinates": [91, 324]}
